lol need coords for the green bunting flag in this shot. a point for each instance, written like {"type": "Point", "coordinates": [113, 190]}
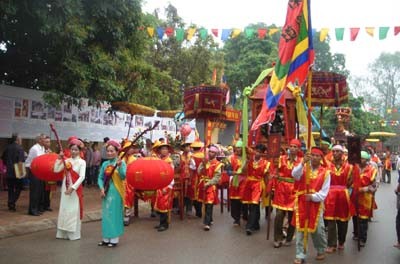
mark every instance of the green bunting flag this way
{"type": "Point", "coordinates": [180, 34]}
{"type": "Point", "coordinates": [383, 32]}
{"type": "Point", "coordinates": [203, 33]}
{"type": "Point", "coordinates": [339, 33]}
{"type": "Point", "coordinates": [249, 32]}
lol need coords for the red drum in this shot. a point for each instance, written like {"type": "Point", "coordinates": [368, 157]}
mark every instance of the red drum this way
{"type": "Point", "coordinates": [149, 174]}
{"type": "Point", "coordinates": [43, 167]}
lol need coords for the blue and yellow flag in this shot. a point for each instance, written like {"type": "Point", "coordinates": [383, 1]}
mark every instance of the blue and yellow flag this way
{"type": "Point", "coordinates": [296, 55]}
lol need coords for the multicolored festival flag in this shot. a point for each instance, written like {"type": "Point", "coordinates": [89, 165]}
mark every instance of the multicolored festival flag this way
{"type": "Point", "coordinates": [296, 55]}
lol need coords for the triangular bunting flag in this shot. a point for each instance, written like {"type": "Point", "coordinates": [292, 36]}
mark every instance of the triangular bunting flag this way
{"type": "Point", "coordinates": [203, 33]}
{"type": "Point", "coordinates": [249, 33]}
{"type": "Point", "coordinates": [272, 31]}
{"type": "Point", "coordinates": [150, 31]}
{"type": "Point", "coordinates": [396, 30]}
{"type": "Point", "coordinates": [323, 34]}
{"type": "Point", "coordinates": [383, 32]}
{"type": "Point", "coordinates": [214, 31]}
{"type": "Point", "coordinates": [180, 34]}
{"type": "Point", "coordinates": [354, 33]}
{"type": "Point", "coordinates": [370, 31]}
{"type": "Point", "coordinates": [160, 32]}
{"type": "Point", "coordinates": [225, 34]}
{"type": "Point", "coordinates": [236, 32]}
{"type": "Point", "coordinates": [169, 31]}
{"type": "Point", "coordinates": [261, 33]}
{"type": "Point", "coordinates": [190, 33]}
{"type": "Point", "coordinates": [339, 32]}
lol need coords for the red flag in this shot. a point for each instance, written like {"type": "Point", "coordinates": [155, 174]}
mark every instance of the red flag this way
{"type": "Point", "coordinates": [262, 32]}
{"type": "Point", "coordinates": [354, 33]}
{"type": "Point", "coordinates": [215, 32]}
{"type": "Point", "coordinates": [296, 55]}
{"type": "Point", "coordinates": [396, 30]}
{"type": "Point", "coordinates": [169, 31]}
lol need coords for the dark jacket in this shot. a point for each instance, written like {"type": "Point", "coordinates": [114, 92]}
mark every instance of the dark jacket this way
{"type": "Point", "coordinates": [13, 153]}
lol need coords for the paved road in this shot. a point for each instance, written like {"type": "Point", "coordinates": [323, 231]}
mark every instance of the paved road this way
{"type": "Point", "coordinates": [186, 242]}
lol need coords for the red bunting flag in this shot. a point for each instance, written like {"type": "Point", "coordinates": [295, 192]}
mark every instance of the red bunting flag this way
{"type": "Point", "coordinates": [215, 32]}
{"type": "Point", "coordinates": [354, 33]}
{"type": "Point", "coordinates": [169, 31]}
{"type": "Point", "coordinates": [262, 32]}
{"type": "Point", "coordinates": [396, 30]}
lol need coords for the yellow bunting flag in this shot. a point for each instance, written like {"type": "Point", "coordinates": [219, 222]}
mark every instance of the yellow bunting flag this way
{"type": "Point", "coordinates": [190, 33]}
{"type": "Point", "coordinates": [236, 32]}
{"type": "Point", "coordinates": [370, 31]}
{"type": "Point", "coordinates": [150, 31]}
{"type": "Point", "coordinates": [323, 34]}
{"type": "Point", "coordinates": [272, 31]}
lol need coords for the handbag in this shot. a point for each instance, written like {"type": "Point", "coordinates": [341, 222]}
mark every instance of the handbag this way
{"type": "Point", "coordinates": [20, 171]}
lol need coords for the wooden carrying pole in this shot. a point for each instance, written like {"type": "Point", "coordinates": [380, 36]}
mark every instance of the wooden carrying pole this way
{"type": "Point", "coordinates": [308, 168]}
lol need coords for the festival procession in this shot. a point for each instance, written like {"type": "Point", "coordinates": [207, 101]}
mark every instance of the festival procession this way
{"type": "Point", "coordinates": [184, 140]}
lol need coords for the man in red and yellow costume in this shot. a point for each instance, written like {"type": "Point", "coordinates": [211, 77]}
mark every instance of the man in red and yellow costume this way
{"type": "Point", "coordinates": [129, 190]}
{"type": "Point", "coordinates": [337, 204]}
{"type": "Point", "coordinates": [284, 192]}
{"type": "Point", "coordinates": [364, 189]}
{"type": "Point", "coordinates": [312, 186]}
{"type": "Point", "coordinates": [387, 168]}
{"type": "Point", "coordinates": [258, 170]}
{"type": "Point", "coordinates": [236, 184]}
{"type": "Point", "coordinates": [210, 172]}
{"type": "Point", "coordinates": [186, 168]}
{"type": "Point", "coordinates": [193, 188]}
{"type": "Point", "coordinates": [164, 196]}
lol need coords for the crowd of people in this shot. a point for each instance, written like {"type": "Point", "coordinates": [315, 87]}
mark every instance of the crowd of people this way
{"type": "Point", "coordinates": [315, 192]}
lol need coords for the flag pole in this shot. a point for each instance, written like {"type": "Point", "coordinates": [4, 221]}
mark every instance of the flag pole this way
{"type": "Point", "coordinates": [308, 165]}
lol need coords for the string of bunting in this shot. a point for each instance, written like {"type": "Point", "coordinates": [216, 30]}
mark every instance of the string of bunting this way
{"type": "Point", "coordinates": [224, 34]}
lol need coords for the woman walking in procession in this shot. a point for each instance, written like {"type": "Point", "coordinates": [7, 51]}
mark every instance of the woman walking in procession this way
{"type": "Point", "coordinates": [111, 186]}
{"type": "Point", "coordinates": [71, 209]}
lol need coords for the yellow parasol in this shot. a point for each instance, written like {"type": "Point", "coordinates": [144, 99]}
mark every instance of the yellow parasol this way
{"type": "Point", "coordinates": [382, 134]}
{"type": "Point", "coordinates": [372, 139]}
{"type": "Point", "coordinates": [133, 109]}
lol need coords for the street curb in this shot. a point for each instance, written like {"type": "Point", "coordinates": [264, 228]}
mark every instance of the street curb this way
{"type": "Point", "coordinates": [40, 225]}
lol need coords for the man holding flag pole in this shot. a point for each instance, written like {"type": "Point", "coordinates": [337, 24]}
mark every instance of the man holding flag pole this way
{"type": "Point", "coordinates": [296, 56]}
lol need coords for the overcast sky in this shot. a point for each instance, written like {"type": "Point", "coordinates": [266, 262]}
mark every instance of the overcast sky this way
{"type": "Point", "coordinates": [331, 14]}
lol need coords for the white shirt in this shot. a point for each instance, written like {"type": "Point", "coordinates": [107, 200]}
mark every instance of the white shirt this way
{"type": "Point", "coordinates": [34, 151]}
{"type": "Point", "coordinates": [319, 196]}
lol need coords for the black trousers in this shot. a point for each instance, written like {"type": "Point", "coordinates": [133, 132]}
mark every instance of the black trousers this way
{"type": "Point", "coordinates": [14, 186]}
{"type": "Point", "coordinates": [208, 218]}
{"type": "Point", "coordinates": [236, 210]}
{"type": "Point", "coordinates": [398, 225]}
{"type": "Point", "coordinates": [163, 219]}
{"type": "Point", "coordinates": [278, 225]}
{"type": "Point", "coordinates": [36, 188]}
{"type": "Point", "coordinates": [360, 228]}
{"type": "Point", "coordinates": [197, 207]}
{"type": "Point", "coordinates": [253, 222]}
{"type": "Point", "coordinates": [337, 231]}
{"type": "Point", "coordinates": [45, 203]}
{"type": "Point", "coordinates": [386, 173]}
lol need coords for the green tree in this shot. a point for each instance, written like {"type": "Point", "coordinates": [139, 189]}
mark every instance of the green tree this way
{"type": "Point", "coordinates": [246, 56]}
{"type": "Point", "coordinates": [325, 60]}
{"type": "Point", "coordinates": [385, 78]}
{"type": "Point", "coordinates": [73, 48]}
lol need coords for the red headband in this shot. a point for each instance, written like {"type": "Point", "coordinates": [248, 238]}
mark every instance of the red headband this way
{"type": "Point", "coordinates": [317, 151]}
{"type": "Point", "coordinates": [295, 142]}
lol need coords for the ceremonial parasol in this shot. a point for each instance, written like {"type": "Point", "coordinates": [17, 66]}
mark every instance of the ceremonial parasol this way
{"type": "Point", "coordinates": [382, 134]}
